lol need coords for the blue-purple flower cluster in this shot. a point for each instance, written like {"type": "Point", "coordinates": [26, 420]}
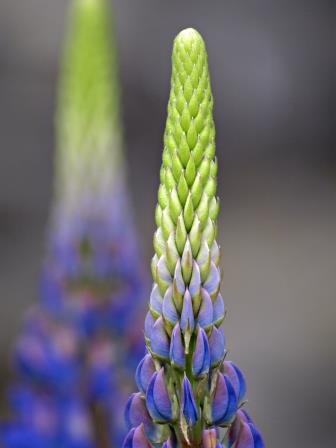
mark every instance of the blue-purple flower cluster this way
{"type": "Point", "coordinates": [76, 353]}
{"type": "Point", "coordinates": [46, 420]}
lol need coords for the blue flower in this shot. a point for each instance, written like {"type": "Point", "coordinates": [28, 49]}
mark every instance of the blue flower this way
{"type": "Point", "coordinates": [243, 433]}
{"type": "Point", "coordinates": [176, 353]}
{"type": "Point", "coordinates": [188, 405]}
{"type": "Point", "coordinates": [136, 414]}
{"type": "Point", "coordinates": [237, 380]}
{"type": "Point", "coordinates": [205, 315]}
{"type": "Point", "coordinates": [159, 340]}
{"type": "Point", "coordinates": [217, 346]}
{"type": "Point", "coordinates": [144, 373]}
{"type": "Point", "coordinates": [201, 355]}
{"type": "Point", "coordinates": [136, 438]}
{"type": "Point", "coordinates": [224, 403]}
{"type": "Point", "coordinates": [158, 400]}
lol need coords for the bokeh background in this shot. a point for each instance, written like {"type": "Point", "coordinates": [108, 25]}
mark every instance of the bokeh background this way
{"type": "Point", "coordinates": [272, 76]}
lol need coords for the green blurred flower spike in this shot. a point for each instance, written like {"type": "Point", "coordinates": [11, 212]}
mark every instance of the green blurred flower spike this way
{"type": "Point", "coordinates": [88, 130]}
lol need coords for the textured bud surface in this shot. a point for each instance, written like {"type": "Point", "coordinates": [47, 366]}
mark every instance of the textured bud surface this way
{"type": "Point", "coordinates": [193, 394]}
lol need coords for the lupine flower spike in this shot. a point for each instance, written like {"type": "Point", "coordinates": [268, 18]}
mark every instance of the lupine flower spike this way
{"type": "Point", "coordinates": [76, 352]}
{"type": "Point", "coordinates": [91, 238]}
{"type": "Point", "coordinates": [189, 394]}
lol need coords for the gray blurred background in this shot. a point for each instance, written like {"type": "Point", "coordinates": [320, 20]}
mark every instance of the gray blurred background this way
{"type": "Point", "coordinates": [271, 66]}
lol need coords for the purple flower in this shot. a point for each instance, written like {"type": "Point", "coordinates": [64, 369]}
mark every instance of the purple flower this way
{"type": "Point", "coordinates": [213, 281]}
{"type": "Point", "coordinates": [201, 355]}
{"type": "Point", "coordinates": [155, 301]}
{"type": "Point", "coordinates": [224, 403]}
{"type": "Point", "coordinates": [136, 411]}
{"type": "Point", "coordinates": [217, 346]}
{"type": "Point", "coordinates": [188, 406]}
{"type": "Point", "coordinates": [187, 316]}
{"type": "Point", "coordinates": [237, 380]}
{"type": "Point", "coordinates": [159, 340]}
{"type": "Point", "coordinates": [187, 321]}
{"type": "Point", "coordinates": [158, 400]}
{"type": "Point", "coordinates": [176, 353]}
{"type": "Point", "coordinates": [218, 310]}
{"type": "Point", "coordinates": [205, 315]}
{"type": "Point", "coordinates": [243, 433]}
{"type": "Point", "coordinates": [168, 308]}
{"type": "Point", "coordinates": [144, 373]}
{"type": "Point", "coordinates": [47, 352]}
{"type": "Point", "coordinates": [47, 419]}
{"type": "Point", "coordinates": [136, 438]}
{"type": "Point", "coordinates": [149, 324]}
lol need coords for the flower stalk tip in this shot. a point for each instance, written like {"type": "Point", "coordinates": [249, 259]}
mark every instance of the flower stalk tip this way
{"type": "Point", "coordinates": [194, 394]}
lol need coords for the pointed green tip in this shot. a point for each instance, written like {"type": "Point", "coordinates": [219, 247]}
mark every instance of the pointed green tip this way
{"type": "Point", "coordinates": [189, 40]}
{"type": "Point", "coordinates": [188, 36]}
{"type": "Point", "coordinates": [88, 3]}
{"type": "Point", "coordinates": [187, 195]}
{"type": "Point", "coordinates": [87, 6]}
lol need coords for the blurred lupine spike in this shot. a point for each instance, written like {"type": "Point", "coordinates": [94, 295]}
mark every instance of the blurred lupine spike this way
{"type": "Point", "coordinates": [79, 346]}
{"type": "Point", "coordinates": [193, 393]}
{"type": "Point", "coordinates": [92, 249]}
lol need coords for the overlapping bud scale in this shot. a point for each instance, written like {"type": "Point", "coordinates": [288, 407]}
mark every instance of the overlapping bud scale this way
{"type": "Point", "coordinates": [185, 385]}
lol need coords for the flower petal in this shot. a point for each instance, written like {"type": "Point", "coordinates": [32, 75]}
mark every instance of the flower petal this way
{"type": "Point", "coordinates": [159, 340]}
{"type": "Point", "coordinates": [201, 356]}
{"type": "Point", "coordinates": [245, 437]}
{"type": "Point", "coordinates": [178, 287]}
{"type": "Point", "coordinates": [155, 301]}
{"type": "Point", "coordinates": [224, 404]}
{"type": "Point", "coordinates": [168, 307]}
{"type": "Point", "coordinates": [136, 438]}
{"type": "Point", "coordinates": [237, 379]}
{"type": "Point", "coordinates": [217, 346]}
{"type": "Point", "coordinates": [218, 310]}
{"type": "Point", "coordinates": [163, 277]}
{"type": "Point", "coordinates": [149, 323]}
{"type": "Point", "coordinates": [176, 353]}
{"type": "Point", "coordinates": [205, 315]}
{"type": "Point", "coordinates": [258, 440]}
{"type": "Point", "coordinates": [188, 406]}
{"type": "Point", "coordinates": [195, 287]}
{"type": "Point", "coordinates": [144, 373]}
{"type": "Point", "coordinates": [243, 433]}
{"type": "Point", "coordinates": [212, 283]}
{"type": "Point", "coordinates": [157, 399]}
{"type": "Point", "coordinates": [136, 411]}
{"type": "Point", "coordinates": [187, 317]}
